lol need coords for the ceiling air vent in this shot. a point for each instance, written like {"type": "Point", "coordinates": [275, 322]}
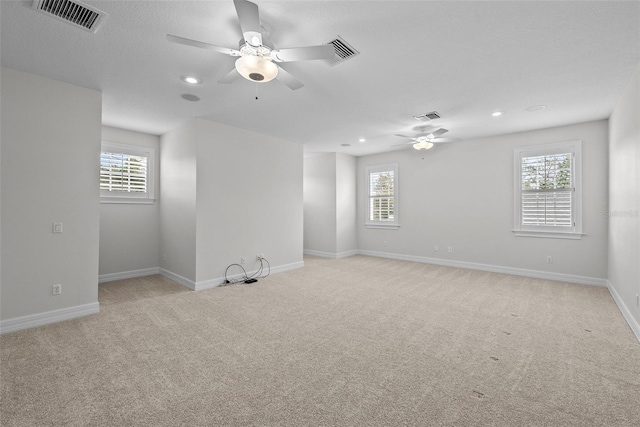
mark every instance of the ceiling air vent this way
{"type": "Point", "coordinates": [427, 116]}
{"type": "Point", "coordinates": [343, 51]}
{"type": "Point", "coordinates": [73, 12]}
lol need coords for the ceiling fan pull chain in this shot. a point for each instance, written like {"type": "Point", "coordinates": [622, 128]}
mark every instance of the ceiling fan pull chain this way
{"type": "Point", "coordinates": [256, 91]}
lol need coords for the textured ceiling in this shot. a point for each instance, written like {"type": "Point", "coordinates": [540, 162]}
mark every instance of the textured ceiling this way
{"type": "Point", "coordinates": [462, 59]}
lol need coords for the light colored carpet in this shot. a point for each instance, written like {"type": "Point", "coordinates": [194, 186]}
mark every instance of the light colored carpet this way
{"type": "Point", "coordinates": [359, 341]}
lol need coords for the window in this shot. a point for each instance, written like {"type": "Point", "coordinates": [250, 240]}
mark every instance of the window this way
{"type": "Point", "coordinates": [382, 195]}
{"type": "Point", "coordinates": [126, 173]}
{"type": "Point", "coordinates": [548, 190]}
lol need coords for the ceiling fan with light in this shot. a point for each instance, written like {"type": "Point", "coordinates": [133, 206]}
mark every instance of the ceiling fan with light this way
{"type": "Point", "coordinates": [425, 140]}
{"type": "Point", "coordinates": [257, 58]}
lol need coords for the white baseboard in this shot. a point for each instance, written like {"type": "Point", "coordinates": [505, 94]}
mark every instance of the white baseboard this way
{"type": "Point", "coordinates": [48, 317]}
{"type": "Point", "coordinates": [212, 283]}
{"type": "Point", "coordinates": [103, 278]}
{"type": "Point", "coordinates": [177, 278]}
{"type": "Point", "coordinates": [561, 277]}
{"type": "Point", "coordinates": [333, 255]}
{"type": "Point", "coordinates": [626, 313]}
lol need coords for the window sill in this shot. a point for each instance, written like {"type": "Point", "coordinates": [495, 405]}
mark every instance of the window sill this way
{"type": "Point", "coordinates": [383, 226]}
{"type": "Point", "coordinates": [549, 234]}
{"type": "Point", "coordinates": [127, 200]}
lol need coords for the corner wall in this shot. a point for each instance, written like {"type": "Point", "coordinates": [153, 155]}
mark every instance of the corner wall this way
{"type": "Point", "coordinates": [329, 205]}
{"type": "Point", "coordinates": [50, 134]}
{"type": "Point", "coordinates": [177, 202]}
{"type": "Point", "coordinates": [461, 195]}
{"type": "Point", "coordinates": [624, 203]}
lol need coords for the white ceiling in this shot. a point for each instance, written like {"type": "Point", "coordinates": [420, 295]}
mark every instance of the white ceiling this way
{"type": "Point", "coordinates": [462, 59]}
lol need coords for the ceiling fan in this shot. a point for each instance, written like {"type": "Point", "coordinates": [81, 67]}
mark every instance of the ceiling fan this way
{"type": "Point", "coordinates": [425, 140]}
{"type": "Point", "coordinates": [257, 57]}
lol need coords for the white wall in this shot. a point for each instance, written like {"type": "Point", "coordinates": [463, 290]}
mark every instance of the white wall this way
{"type": "Point", "coordinates": [329, 205]}
{"type": "Point", "coordinates": [130, 233]}
{"type": "Point", "coordinates": [460, 194]}
{"type": "Point", "coordinates": [50, 150]}
{"type": "Point", "coordinates": [178, 201]}
{"type": "Point", "coordinates": [320, 203]}
{"type": "Point", "coordinates": [227, 193]}
{"type": "Point", "coordinates": [346, 229]}
{"type": "Point", "coordinates": [249, 200]}
{"type": "Point", "coordinates": [624, 202]}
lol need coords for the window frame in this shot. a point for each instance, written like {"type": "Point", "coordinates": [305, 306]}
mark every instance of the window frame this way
{"type": "Point", "coordinates": [147, 197]}
{"type": "Point", "coordinates": [370, 223]}
{"type": "Point", "coordinates": [558, 232]}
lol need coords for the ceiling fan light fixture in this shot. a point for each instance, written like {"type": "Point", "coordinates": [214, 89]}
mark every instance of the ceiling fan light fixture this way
{"type": "Point", "coordinates": [423, 145]}
{"type": "Point", "coordinates": [256, 68]}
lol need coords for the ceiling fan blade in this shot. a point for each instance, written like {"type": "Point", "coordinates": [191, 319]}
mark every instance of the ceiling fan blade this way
{"type": "Point", "coordinates": [249, 18]}
{"type": "Point", "coordinates": [403, 136]}
{"type": "Point", "coordinates": [288, 80]}
{"type": "Point", "coordinates": [439, 132]}
{"type": "Point", "coordinates": [404, 143]}
{"type": "Point", "coordinates": [230, 77]}
{"type": "Point", "coordinates": [444, 140]}
{"type": "Point", "coordinates": [325, 51]}
{"type": "Point", "coordinates": [202, 45]}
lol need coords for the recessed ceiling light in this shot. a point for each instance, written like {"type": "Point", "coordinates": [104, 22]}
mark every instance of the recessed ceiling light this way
{"type": "Point", "coordinates": [192, 80]}
{"type": "Point", "coordinates": [496, 113]}
{"type": "Point", "coordinates": [536, 108]}
{"type": "Point", "coordinates": [189, 97]}
{"type": "Point", "coordinates": [362, 140]}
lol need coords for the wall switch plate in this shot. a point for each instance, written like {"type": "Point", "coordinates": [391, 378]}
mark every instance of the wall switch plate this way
{"type": "Point", "coordinates": [56, 228]}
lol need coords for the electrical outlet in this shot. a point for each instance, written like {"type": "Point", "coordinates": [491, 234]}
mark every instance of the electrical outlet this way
{"type": "Point", "coordinates": [56, 290]}
{"type": "Point", "coordinates": [450, 249]}
{"type": "Point", "coordinates": [637, 300]}
{"type": "Point", "coordinates": [259, 257]}
{"type": "Point", "coordinates": [243, 260]}
{"type": "Point", "coordinates": [436, 248]}
{"type": "Point", "coordinates": [549, 260]}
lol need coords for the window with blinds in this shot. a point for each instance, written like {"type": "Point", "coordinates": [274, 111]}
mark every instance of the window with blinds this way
{"type": "Point", "coordinates": [126, 173]}
{"type": "Point", "coordinates": [547, 188]}
{"type": "Point", "coordinates": [382, 184]}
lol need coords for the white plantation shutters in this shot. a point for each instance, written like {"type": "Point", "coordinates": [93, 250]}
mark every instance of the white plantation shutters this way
{"type": "Point", "coordinates": [123, 172]}
{"type": "Point", "coordinates": [548, 190]}
{"type": "Point", "coordinates": [382, 182]}
{"type": "Point", "coordinates": [126, 173]}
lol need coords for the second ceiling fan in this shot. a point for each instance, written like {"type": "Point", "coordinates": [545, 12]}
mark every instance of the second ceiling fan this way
{"type": "Point", "coordinates": [257, 58]}
{"type": "Point", "coordinates": [425, 140]}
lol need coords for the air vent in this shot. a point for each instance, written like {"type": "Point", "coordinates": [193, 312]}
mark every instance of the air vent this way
{"type": "Point", "coordinates": [74, 12]}
{"type": "Point", "coordinates": [343, 51]}
{"type": "Point", "coordinates": [427, 116]}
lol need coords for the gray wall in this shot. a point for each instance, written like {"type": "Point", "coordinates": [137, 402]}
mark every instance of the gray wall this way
{"type": "Point", "coordinates": [130, 233]}
{"type": "Point", "coordinates": [461, 195]}
{"type": "Point", "coordinates": [624, 201]}
{"type": "Point", "coordinates": [50, 173]}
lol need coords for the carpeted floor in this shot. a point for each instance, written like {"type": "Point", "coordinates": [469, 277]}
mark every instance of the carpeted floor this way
{"type": "Point", "coordinates": [359, 341]}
